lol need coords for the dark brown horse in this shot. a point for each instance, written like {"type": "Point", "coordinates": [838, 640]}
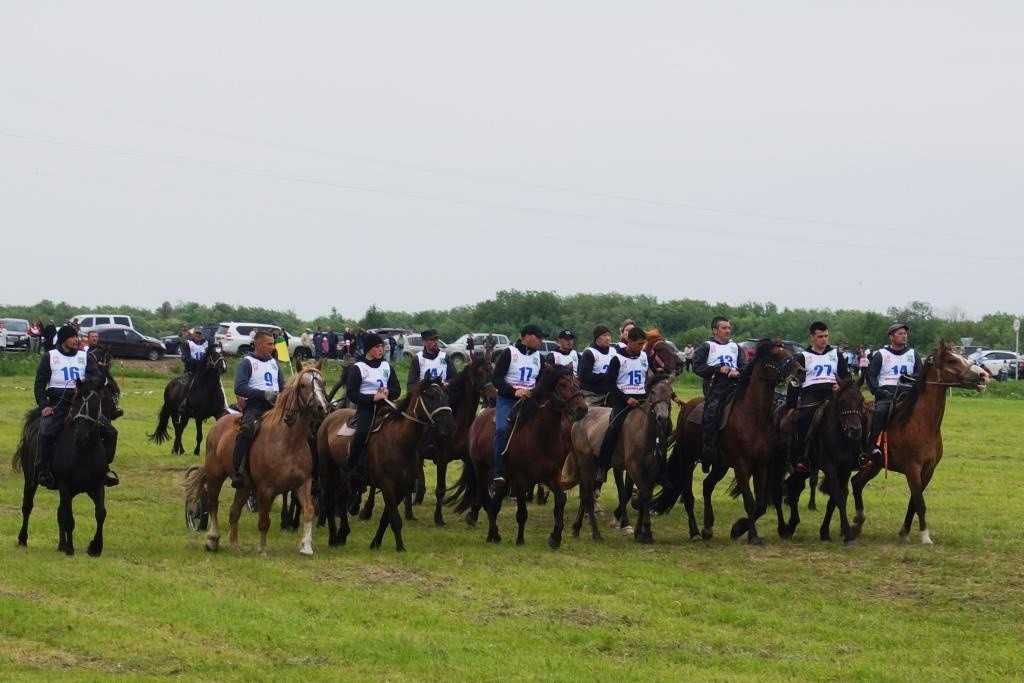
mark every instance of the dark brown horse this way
{"type": "Point", "coordinates": [833, 449]}
{"type": "Point", "coordinates": [391, 458]}
{"type": "Point", "coordinates": [661, 353]}
{"type": "Point", "coordinates": [915, 433]}
{"type": "Point", "coordinates": [279, 460]}
{"type": "Point", "coordinates": [198, 399]}
{"type": "Point", "coordinates": [746, 445]}
{"type": "Point", "coordinates": [537, 448]}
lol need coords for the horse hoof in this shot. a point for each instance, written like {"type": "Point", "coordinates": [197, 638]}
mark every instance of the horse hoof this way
{"type": "Point", "coordinates": [812, 506]}
{"type": "Point", "coordinates": [626, 529]}
{"type": "Point", "coordinates": [575, 533]}
{"type": "Point", "coordinates": [374, 545]}
{"type": "Point", "coordinates": [520, 541]}
{"type": "Point", "coordinates": [707, 534]}
{"type": "Point", "coordinates": [850, 540]}
{"type": "Point", "coordinates": [755, 541]}
{"type": "Point", "coordinates": [696, 538]}
{"type": "Point", "coordinates": [69, 551]}
{"type": "Point", "coordinates": [554, 543]}
{"type": "Point", "coordinates": [926, 539]}
{"type": "Point", "coordinates": [335, 542]}
{"type": "Point", "coordinates": [95, 550]}
{"type": "Point", "coordinates": [308, 552]}
{"type": "Point", "coordinates": [597, 537]}
{"type": "Point", "coordinates": [364, 515]}
{"type": "Point", "coordinates": [825, 537]}
{"type": "Point", "coordinates": [399, 548]}
{"type": "Point", "coordinates": [440, 523]}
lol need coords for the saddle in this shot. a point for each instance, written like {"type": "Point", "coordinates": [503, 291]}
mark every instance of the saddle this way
{"type": "Point", "coordinates": [379, 418]}
{"type": "Point", "coordinates": [697, 415]}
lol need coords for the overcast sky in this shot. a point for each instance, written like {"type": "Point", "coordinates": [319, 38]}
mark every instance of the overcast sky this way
{"type": "Point", "coordinates": [316, 154]}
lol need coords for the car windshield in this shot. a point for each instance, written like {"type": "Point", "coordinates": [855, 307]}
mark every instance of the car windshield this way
{"type": "Point", "coordinates": [16, 326]}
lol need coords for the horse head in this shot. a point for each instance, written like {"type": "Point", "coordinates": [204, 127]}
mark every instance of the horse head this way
{"type": "Point", "coordinates": [215, 359]}
{"type": "Point", "coordinates": [849, 403]}
{"type": "Point", "coordinates": [86, 409]}
{"type": "Point", "coordinates": [559, 386]}
{"type": "Point", "coordinates": [429, 404]}
{"type": "Point", "coordinates": [308, 396]}
{"type": "Point", "coordinates": [953, 369]}
{"type": "Point", "coordinates": [480, 370]}
{"type": "Point", "coordinates": [772, 362]}
{"type": "Point", "coordinates": [660, 354]}
{"type": "Point", "coordinates": [659, 399]}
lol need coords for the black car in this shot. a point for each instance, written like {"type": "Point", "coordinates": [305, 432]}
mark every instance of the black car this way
{"type": "Point", "coordinates": [124, 342]}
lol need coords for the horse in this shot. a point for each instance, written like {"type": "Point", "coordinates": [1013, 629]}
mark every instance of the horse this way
{"type": "Point", "coordinates": [536, 450]}
{"type": "Point", "coordinates": [466, 390]}
{"type": "Point", "coordinates": [391, 457]}
{"type": "Point", "coordinates": [205, 399]}
{"type": "Point", "coordinates": [660, 353]}
{"type": "Point", "coordinates": [639, 455]}
{"type": "Point", "coordinates": [914, 433]}
{"type": "Point", "coordinates": [745, 444]}
{"type": "Point", "coordinates": [835, 446]}
{"type": "Point", "coordinates": [79, 465]}
{"type": "Point", "coordinates": [279, 460]}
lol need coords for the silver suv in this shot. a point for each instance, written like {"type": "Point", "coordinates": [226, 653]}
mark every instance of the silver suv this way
{"type": "Point", "coordinates": [457, 349]}
{"type": "Point", "coordinates": [236, 339]}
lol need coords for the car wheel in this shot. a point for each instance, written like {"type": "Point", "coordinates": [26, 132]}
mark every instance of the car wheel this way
{"type": "Point", "coordinates": [303, 354]}
{"type": "Point", "coordinates": [243, 350]}
{"type": "Point", "coordinates": [153, 354]}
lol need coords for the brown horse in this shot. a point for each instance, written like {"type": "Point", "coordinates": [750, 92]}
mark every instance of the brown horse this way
{"type": "Point", "coordinates": [834, 448]}
{"type": "Point", "coordinates": [391, 458]}
{"type": "Point", "coordinates": [536, 451]}
{"type": "Point", "coordinates": [745, 443]}
{"type": "Point", "coordinates": [279, 460]}
{"type": "Point", "coordinates": [915, 433]}
{"type": "Point", "coordinates": [661, 353]}
{"type": "Point", "coordinates": [639, 456]}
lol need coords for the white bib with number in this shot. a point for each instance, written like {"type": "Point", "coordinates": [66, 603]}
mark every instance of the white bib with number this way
{"type": "Point", "coordinates": [264, 373]}
{"type": "Point", "coordinates": [436, 367]}
{"type": "Point", "coordinates": [820, 368]}
{"type": "Point", "coordinates": [197, 351]}
{"type": "Point", "coordinates": [522, 369]}
{"type": "Point", "coordinates": [723, 354]}
{"type": "Point", "coordinates": [894, 365]}
{"type": "Point", "coordinates": [572, 358]}
{"type": "Point", "coordinates": [374, 378]}
{"type": "Point", "coordinates": [632, 374]}
{"type": "Point", "coordinates": [64, 370]}
{"type": "Point", "coordinates": [601, 360]}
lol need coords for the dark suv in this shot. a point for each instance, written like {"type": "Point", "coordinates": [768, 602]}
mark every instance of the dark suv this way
{"type": "Point", "coordinates": [124, 342]}
{"type": "Point", "coordinates": [749, 347]}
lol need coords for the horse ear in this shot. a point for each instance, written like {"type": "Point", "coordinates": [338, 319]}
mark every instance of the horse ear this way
{"type": "Point", "coordinates": [320, 365]}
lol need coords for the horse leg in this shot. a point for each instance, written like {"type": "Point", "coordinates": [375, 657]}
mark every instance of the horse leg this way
{"type": "Point", "coordinates": [623, 487]}
{"type": "Point", "coordinates": [241, 496]}
{"type": "Point", "coordinates": [395, 518]}
{"type": "Point", "coordinates": [420, 486]}
{"type": "Point", "coordinates": [794, 487]}
{"type": "Point", "coordinates": [493, 508]}
{"type": "Point", "coordinates": [859, 481]}
{"type": "Point", "coordinates": [212, 490]}
{"type": "Point", "coordinates": [837, 499]}
{"type": "Point", "coordinates": [915, 505]}
{"type": "Point", "coordinates": [439, 489]}
{"type": "Point", "coordinates": [199, 436]}
{"type": "Point", "coordinates": [28, 497]}
{"type": "Point", "coordinates": [98, 496]}
{"type": "Point", "coordinates": [555, 539]}
{"type": "Point", "coordinates": [643, 532]}
{"type": "Point", "coordinates": [812, 503]}
{"type": "Point", "coordinates": [541, 498]}
{"type": "Point", "coordinates": [521, 514]}
{"type": "Point", "coordinates": [264, 499]}
{"type": "Point", "coordinates": [689, 501]}
{"type": "Point", "coordinates": [367, 511]}
{"type": "Point", "coordinates": [385, 517]}
{"type": "Point", "coordinates": [718, 471]}
{"type": "Point", "coordinates": [305, 496]}
{"type": "Point", "coordinates": [66, 521]}
{"type": "Point", "coordinates": [408, 507]}
{"type": "Point", "coordinates": [746, 524]}
{"type": "Point", "coordinates": [179, 422]}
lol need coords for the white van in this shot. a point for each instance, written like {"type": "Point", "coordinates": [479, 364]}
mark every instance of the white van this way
{"type": "Point", "coordinates": [87, 321]}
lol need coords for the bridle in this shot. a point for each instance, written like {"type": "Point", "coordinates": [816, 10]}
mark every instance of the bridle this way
{"type": "Point", "coordinates": [305, 408]}
{"type": "Point", "coordinates": [562, 404]}
{"type": "Point", "coordinates": [83, 409]}
{"type": "Point", "coordinates": [781, 369]}
{"type": "Point", "coordinates": [929, 364]}
{"type": "Point", "coordinates": [420, 404]}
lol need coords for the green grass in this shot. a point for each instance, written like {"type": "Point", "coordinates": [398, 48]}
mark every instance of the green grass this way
{"type": "Point", "coordinates": [453, 607]}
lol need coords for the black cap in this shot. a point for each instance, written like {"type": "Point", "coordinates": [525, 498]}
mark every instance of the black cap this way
{"type": "Point", "coordinates": [532, 329]}
{"type": "Point", "coordinates": [601, 329]}
{"type": "Point", "coordinates": [429, 334]}
{"type": "Point", "coordinates": [566, 334]}
{"type": "Point", "coordinates": [65, 333]}
{"type": "Point", "coordinates": [372, 339]}
{"type": "Point", "coordinates": [898, 326]}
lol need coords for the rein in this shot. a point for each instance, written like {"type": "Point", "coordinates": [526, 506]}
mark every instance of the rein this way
{"type": "Point", "coordinates": [83, 413]}
{"type": "Point", "coordinates": [419, 403]}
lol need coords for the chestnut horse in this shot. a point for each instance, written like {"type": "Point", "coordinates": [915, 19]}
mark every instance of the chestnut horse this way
{"type": "Point", "coordinates": [834, 449]}
{"type": "Point", "coordinates": [279, 460]}
{"type": "Point", "coordinates": [745, 443]}
{"type": "Point", "coordinates": [915, 433]}
{"type": "Point", "coordinates": [662, 356]}
{"type": "Point", "coordinates": [536, 451]}
{"type": "Point", "coordinates": [391, 458]}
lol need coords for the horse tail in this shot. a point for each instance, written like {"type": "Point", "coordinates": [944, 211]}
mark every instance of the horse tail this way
{"type": "Point", "coordinates": [195, 484]}
{"type": "Point", "coordinates": [161, 434]}
{"type": "Point", "coordinates": [464, 492]}
{"type": "Point", "coordinates": [734, 488]}
{"type": "Point", "coordinates": [29, 437]}
{"type": "Point", "coordinates": [665, 499]}
{"type": "Point", "coordinates": [570, 475]}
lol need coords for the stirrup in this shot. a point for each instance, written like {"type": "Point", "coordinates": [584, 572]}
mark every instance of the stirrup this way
{"type": "Point", "coordinates": [112, 478]}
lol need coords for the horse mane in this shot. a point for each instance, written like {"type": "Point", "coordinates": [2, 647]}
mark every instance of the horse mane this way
{"type": "Point", "coordinates": [653, 337]}
{"type": "Point", "coordinates": [459, 386]}
{"type": "Point", "coordinates": [550, 373]}
{"type": "Point", "coordinates": [284, 400]}
{"type": "Point", "coordinates": [764, 348]}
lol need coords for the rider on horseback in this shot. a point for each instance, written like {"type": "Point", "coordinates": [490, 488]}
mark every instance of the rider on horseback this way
{"type": "Point", "coordinates": [593, 367]}
{"type": "Point", "coordinates": [258, 380]}
{"type": "Point", "coordinates": [719, 362]}
{"type": "Point", "coordinates": [515, 375]}
{"type": "Point", "coordinates": [101, 356]}
{"type": "Point", "coordinates": [890, 365]}
{"type": "Point", "coordinates": [823, 366]}
{"type": "Point", "coordinates": [565, 354]}
{"type": "Point", "coordinates": [193, 353]}
{"type": "Point", "coordinates": [369, 381]}
{"type": "Point", "coordinates": [54, 390]}
{"type": "Point", "coordinates": [430, 362]}
{"type": "Point", "coordinates": [627, 373]}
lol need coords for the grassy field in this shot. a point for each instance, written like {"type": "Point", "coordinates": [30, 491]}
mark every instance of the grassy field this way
{"type": "Point", "coordinates": [156, 604]}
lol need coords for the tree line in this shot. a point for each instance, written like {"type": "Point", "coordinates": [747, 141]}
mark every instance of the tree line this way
{"type": "Point", "coordinates": [681, 320]}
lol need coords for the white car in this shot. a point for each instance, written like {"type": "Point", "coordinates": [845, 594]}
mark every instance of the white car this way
{"type": "Point", "coordinates": [236, 339]}
{"type": "Point", "coordinates": [995, 360]}
{"type": "Point", "coordinates": [457, 349]}
{"type": "Point", "coordinates": [414, 344]}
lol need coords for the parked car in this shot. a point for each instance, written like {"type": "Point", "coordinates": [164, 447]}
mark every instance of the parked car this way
{"type": "Point", "coordinates": [124, 342]}
{"type": "Point", "coordinates": [457, 348]}
{"type": "Point", "coordinates": [749, 347]}
{"type": "Point", "coordinates": [546, 347]}
{"type": "Point", "coordinates": [414, 344]}
{"type": "Point", "coordinates": [235, 339]}
{"type": "Point", "coordinates": [17, 333]}
{"type": "Point", "coordinates": [87, 321]}
{"type": "Point", "coordinates": [996, 359]}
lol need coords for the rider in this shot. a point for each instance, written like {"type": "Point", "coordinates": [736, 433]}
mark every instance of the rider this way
{"type": "Point", "coordinates": [54, 390]}
{"type": "Point", "coordinates": [593, 369]}
{"type": "Point", "coordinates": [431, 361]}
{"type": "Point", "coordinates": [101, 356]}
{"type": "Point", "coordinates": [369, 381]}
{"type": "Point", "coordinates": [889, 366]}
{"type": "Point", "coordinates": [193, 353]}
{"type": "Point", "coordinates": [624, 329]}
{"type": "Point", "coordinates": [718, 361]}
{"type": "Point", "coordinates": [629, 370]}
{"type": "Point", "coordinates": [515, 375]}
{"type": "Point", "coordinates": [823, 367]}
{"type": "Point", "coordinates": [258, 380]}
{"type": "Point", "coordinates": [565, 354]}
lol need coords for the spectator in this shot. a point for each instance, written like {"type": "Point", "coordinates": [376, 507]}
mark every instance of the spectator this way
{"type": "Point", "coordinates": [470, 343]}
{"type": "Point", "coordinates": [688, 358]}
{"type": "Point", "coordinates": [401, 347]}
{"type": "Point", "coordinates": [307, 341]}
{"type": "Point", "coordinates": [349, 343]}
{"type": "Point", "coordinates": [50, 337]}
{"type": "Point", "coordinates": [3, 336]}
{"type": "Point", "coordinates": [332, 343]}
{"type": "Point", "coordinates": [318, 339]}
{"type": "Point", "coordinates": [490, 341]}
{"type": "Point", "coordinates": [360, 335]}
{"type": "Point", "coordinates": [35, 336]}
